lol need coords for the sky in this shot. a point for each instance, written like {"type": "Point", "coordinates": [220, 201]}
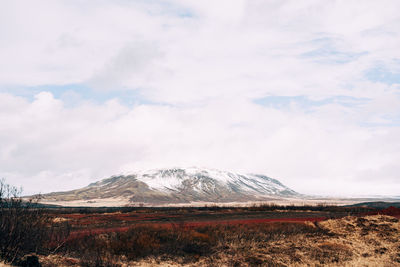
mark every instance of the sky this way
{"type": "Point", "coordinates": [307, 92]}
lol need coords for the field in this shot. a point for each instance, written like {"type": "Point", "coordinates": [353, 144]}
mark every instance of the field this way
{"type": "Point", "coordinates": [265, 235]}
{"type": "Point", "coordinates": [214, 236]}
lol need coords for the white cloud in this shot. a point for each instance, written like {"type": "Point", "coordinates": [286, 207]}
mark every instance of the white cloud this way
{"type": "Point", "coordinates": [68, 147]}
{"type": "Point", "coordinates": [248, 47]}
{"type": "Point", "coordinates": [133, 65]}
{"type": "Point", "coordinates": [205, 62]}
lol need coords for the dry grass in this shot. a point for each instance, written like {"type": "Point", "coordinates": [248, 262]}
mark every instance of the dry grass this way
{"type": "Point", "coordinates": [374, 240]}
{"type": "Point", "coordinates": [350, 241]}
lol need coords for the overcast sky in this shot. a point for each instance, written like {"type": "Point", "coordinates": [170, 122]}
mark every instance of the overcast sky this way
{"type": "Point", "coordinates": [307, 92]}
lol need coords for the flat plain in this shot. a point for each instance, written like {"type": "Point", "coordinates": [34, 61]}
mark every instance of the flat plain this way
{"type": "Point", "coordinates": [267, 235]}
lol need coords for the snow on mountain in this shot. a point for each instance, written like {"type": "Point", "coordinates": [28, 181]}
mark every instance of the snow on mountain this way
{"type": "Point", "coordinates": [181, 185]}
{"type": "Point", "coordinates": [172, 179]}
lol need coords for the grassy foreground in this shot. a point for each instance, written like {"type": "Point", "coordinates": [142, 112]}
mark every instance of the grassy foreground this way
{"type": "Point", "coordinates": [350, 241]}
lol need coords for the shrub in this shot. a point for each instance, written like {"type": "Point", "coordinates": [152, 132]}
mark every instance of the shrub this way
{"type": "Point", "coordinates": [24, 227]}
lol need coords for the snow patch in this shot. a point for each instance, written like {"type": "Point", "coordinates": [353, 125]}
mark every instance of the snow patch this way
{"type": "Point", "coordinates": [172, 179]}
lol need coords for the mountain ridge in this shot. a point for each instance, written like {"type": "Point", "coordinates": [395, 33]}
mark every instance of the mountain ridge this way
{"type": "Point", "coordinates": [180, 185]}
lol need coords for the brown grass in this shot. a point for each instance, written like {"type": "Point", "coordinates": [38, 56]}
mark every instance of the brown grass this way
{"type": "Point", "coordinates": [147, 238]}
{"type": "Point", "coordinates": [350, 241]}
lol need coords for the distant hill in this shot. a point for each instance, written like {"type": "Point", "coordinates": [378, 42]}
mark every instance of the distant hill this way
{"type": "Point", "coordinates": [180, 185]}
{"type": "Point", "coordinates": [377, 204]}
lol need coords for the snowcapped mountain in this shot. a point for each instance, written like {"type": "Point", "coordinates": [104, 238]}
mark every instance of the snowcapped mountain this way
{"type": "Point", "coordinates": [180, 185]}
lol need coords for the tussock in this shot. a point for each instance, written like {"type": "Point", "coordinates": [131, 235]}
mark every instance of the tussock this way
{"type": "Point", "coordinates": [350, 241]}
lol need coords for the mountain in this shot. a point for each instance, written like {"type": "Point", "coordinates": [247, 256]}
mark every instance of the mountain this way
{"type": "Point", "coordinates": [180, 185]}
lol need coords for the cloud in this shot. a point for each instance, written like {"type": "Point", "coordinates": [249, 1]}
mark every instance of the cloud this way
{"type": "Point", "coordinates": [254, 48]}
{"type": "Point", "coordinates": [133, 65]}
{"type": "Point", "coordinates": [305, 91]}
{"type": "Point", "coordinates": [72, 146]}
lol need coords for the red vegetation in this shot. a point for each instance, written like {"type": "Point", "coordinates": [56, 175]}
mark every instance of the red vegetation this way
{"type": "Point", "coordinates": [391, 211]}
{"type": "Point", "coordinates": [251, 221]}
{"type": "Point", "coordinates": [185, 240]}
{"type": "Point", "coordinates": [188, 225]}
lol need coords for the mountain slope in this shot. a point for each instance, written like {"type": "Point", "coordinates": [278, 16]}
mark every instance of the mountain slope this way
{"type": "Point", "coordinates": [180, 185]}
